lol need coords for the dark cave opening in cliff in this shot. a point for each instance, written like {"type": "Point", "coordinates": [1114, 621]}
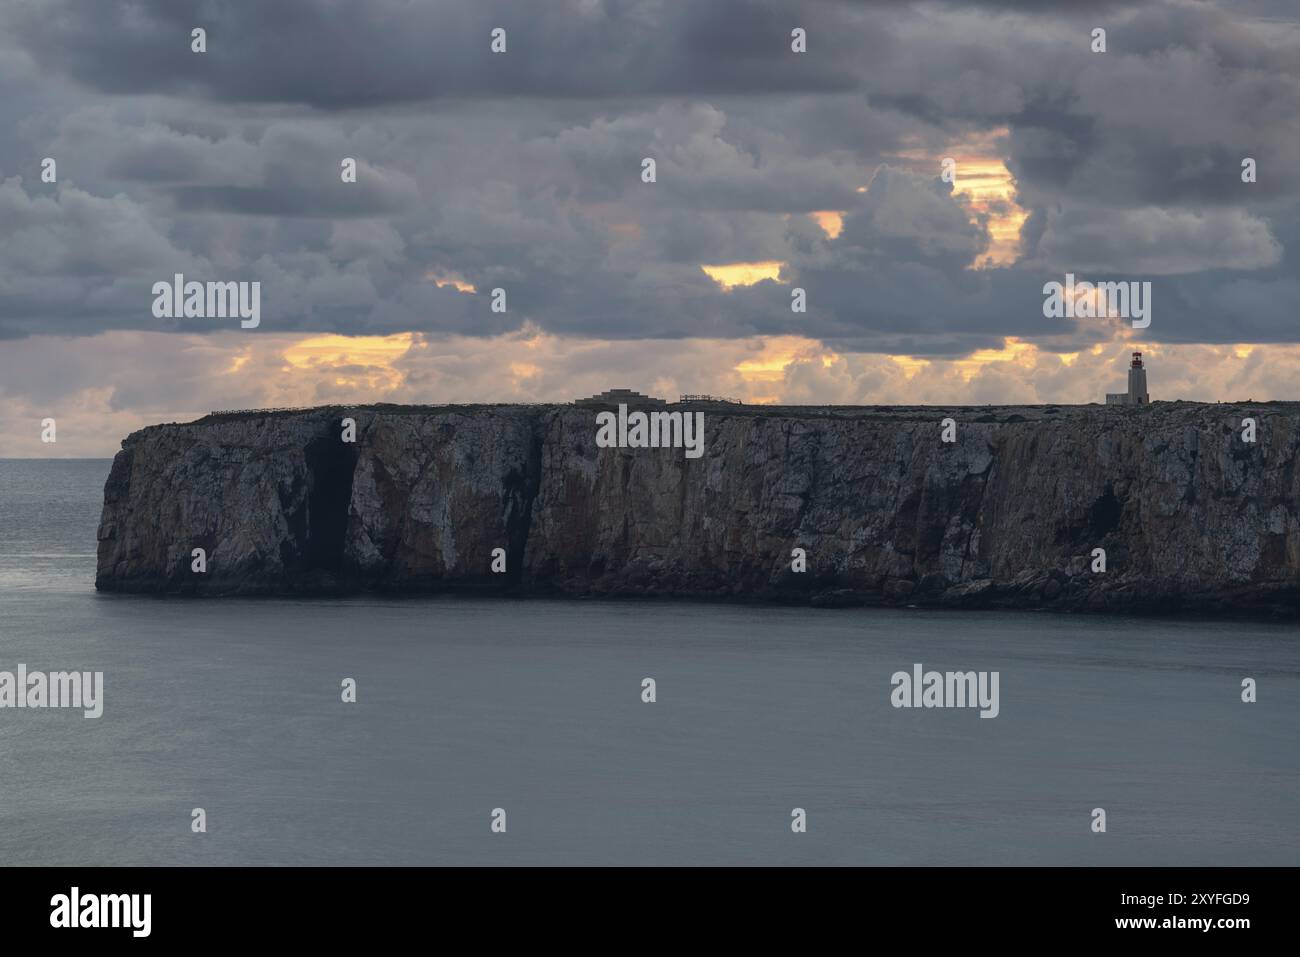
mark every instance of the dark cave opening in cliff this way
{"type": "Point", "coordinates": [330, 464]}
{"type": "Point", "coordinates": [1105, 514]}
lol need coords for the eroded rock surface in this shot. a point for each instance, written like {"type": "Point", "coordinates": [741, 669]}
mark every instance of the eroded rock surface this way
{"type": "Point", "coordinates": [1190, 516]}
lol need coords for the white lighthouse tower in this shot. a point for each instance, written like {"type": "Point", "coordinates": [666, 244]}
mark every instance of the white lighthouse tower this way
{"type": "Point", "coordinates": [1137, 386]}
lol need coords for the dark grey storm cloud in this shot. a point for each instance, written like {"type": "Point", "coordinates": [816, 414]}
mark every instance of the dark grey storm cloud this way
{"type": "Point", "coordinates": [523, 170]}
{"type": "Point", "coordinates": [333, 55]}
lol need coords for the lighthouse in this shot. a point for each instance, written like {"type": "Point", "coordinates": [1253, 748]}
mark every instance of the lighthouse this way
{"type": "Point", "coordinates": [1137, 386]}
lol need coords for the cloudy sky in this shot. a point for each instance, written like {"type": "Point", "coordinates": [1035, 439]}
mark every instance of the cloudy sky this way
{"type": "Point", "coordinates": [522, 170]}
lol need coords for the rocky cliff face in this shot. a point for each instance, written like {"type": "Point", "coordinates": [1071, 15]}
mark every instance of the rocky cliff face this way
{"type": "Point", "coordinates": [1190, 516]}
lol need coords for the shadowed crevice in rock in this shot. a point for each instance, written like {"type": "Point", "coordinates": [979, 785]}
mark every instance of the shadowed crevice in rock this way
{"type": "Point", "coordinates": [330, 467]}
{"type": "Point", "coordinates": [520, 492]}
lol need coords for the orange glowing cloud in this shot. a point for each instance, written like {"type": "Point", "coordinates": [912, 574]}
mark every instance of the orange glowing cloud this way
{"type": "Point", "coordinates": [1013, 351]}
{"type": "Point", "coordinates": [234, 371]}
{"type": "Point", "coordinates": [354, 361]}
{"type": "Point", "coordinates": [831, 221]}
{"type": "Point", "coordinates": [776, 353]}
{"type": "Point", "coordinates": [985, 187]}
{"type": "Point", "coordinates": [333, 350]}
{"type": "Point", "coordinates": [910, 365]}
{"type": "Point", "coordinates": [442, 279]}
{"type": "Point", "coordinates": [730, 275]}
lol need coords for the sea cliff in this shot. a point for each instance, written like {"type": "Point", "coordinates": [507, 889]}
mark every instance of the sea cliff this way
{"type": "Point", "coordinates": [1010, 513]}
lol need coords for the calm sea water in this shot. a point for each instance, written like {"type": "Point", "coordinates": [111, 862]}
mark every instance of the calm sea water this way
{"type": "Point", "coordinates": [535, 707]}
